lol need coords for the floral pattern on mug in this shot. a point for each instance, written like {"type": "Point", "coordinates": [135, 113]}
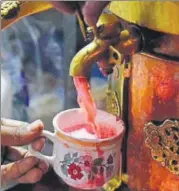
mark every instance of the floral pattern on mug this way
{"type": "Point", "coordinates": [76, 166]}
{"type": "Point", "coordinates": [75, 171]}
{"type": "Point", "coordinates": [86, 163]}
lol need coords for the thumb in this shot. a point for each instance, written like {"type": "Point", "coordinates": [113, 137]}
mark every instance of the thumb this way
{"type": "Point", "coordinates": [21, 135]}
{"type": "Point", "coordinates": [92, 10]}
{"type": "Point", "coordinates": [64, 7]}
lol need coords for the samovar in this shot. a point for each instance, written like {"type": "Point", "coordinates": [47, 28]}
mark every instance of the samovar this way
{"type": "Point", "coordinates": [137, 44]}
{"type": "Point", "coordinates": [151, 96]}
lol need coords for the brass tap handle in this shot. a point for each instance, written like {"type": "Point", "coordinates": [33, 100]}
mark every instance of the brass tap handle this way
{"type": "Point", "coordinates": [83, 25]}
{"type": "Point", "coordinates": [81, 21]}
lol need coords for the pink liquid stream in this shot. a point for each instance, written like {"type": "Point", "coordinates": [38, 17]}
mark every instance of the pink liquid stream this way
{"type": "Point", "coordinates": [86, 102]}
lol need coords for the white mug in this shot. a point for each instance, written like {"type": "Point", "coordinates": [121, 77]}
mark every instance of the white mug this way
{"type": "Point", "coordinates": [84, 163]}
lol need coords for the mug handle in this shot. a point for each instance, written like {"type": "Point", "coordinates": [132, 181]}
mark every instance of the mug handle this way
{"type": "Point", "coordinates": [48, 159]}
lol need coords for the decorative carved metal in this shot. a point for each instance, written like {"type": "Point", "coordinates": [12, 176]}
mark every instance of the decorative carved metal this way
{"type": "Point", "coordinates": [163, 140]}
{"type": "Point", "coordinates": [113, 103]}
{"type": "Point", "coordinates": [10, 9]}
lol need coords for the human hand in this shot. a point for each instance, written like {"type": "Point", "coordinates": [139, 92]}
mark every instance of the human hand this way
{"type": "Point", "coordinates": [91, 9]}
{"type": "Point", "coordinates": [22, 167]}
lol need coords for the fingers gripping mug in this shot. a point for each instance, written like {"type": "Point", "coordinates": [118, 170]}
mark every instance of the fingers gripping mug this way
{"type": "Point", "coordinates": [80, 161]}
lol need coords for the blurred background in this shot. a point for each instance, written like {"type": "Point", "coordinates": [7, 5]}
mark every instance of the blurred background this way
{"type": "Point", "coordinates": [35, 56]}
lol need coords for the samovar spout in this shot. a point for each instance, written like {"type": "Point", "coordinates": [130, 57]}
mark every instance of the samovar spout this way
{"type": "Point", "coordinates": [107, 27]}
{"type": "Point", "coordinates": [110, 39]}
{"type": "Point", "coordinates": [83, 60]}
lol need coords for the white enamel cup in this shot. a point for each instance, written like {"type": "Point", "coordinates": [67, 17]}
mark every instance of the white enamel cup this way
{"type": "Point", "coordinates": [84, 163]}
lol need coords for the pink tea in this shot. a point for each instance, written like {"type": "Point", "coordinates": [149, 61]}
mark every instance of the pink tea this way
{"type": "Point", "coordinates": [85, 99]}
{"type": "Point", "coordinates": [85, 131]}
{"type": "Point", "coordinates": [86, 102]}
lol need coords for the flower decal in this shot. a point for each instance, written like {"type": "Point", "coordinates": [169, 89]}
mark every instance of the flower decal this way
{"type": "Point", "coordinates": [76, 166]}
{"type": "Point", "coordinates": [75, 171]}
{"type": "Point", "coordinates": [110, 159]}
{"type": "Point", "coordinates": [86, 162]}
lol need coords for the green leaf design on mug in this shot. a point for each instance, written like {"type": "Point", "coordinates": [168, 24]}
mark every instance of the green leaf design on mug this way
{"type": "Point", "coordinates": [109, 170]}
{"type": "Point", "coordinates": [90, 176]}
{"type": "Point", "coordinates": [94, 170]}
{"type": "Point", "coordinates": [75, 155]}
{"type": "Point", "coordinates": [64, 170]}
{"type": "Point", "coordinates": [77, 159]}
{"type": "Point", "coordinates": [98, 161]}
{"type": "Point", "coordinates": [67, 158]}
{"type": "Point", "coordinates": [85, 164]}
{"type": "Point", "coordinates": [110, 159]}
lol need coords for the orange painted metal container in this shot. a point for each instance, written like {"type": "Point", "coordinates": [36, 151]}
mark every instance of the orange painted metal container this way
{"type": "Point", "coordinates": [153, 97]}
{"type": "Point", "coordinates": [150, 97]}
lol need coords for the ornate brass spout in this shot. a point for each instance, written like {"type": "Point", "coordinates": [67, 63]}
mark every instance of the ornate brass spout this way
{"type": "Point", "coordinates": [110, 41]}
{"type": "Point", "coordinates": [83, 60]}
